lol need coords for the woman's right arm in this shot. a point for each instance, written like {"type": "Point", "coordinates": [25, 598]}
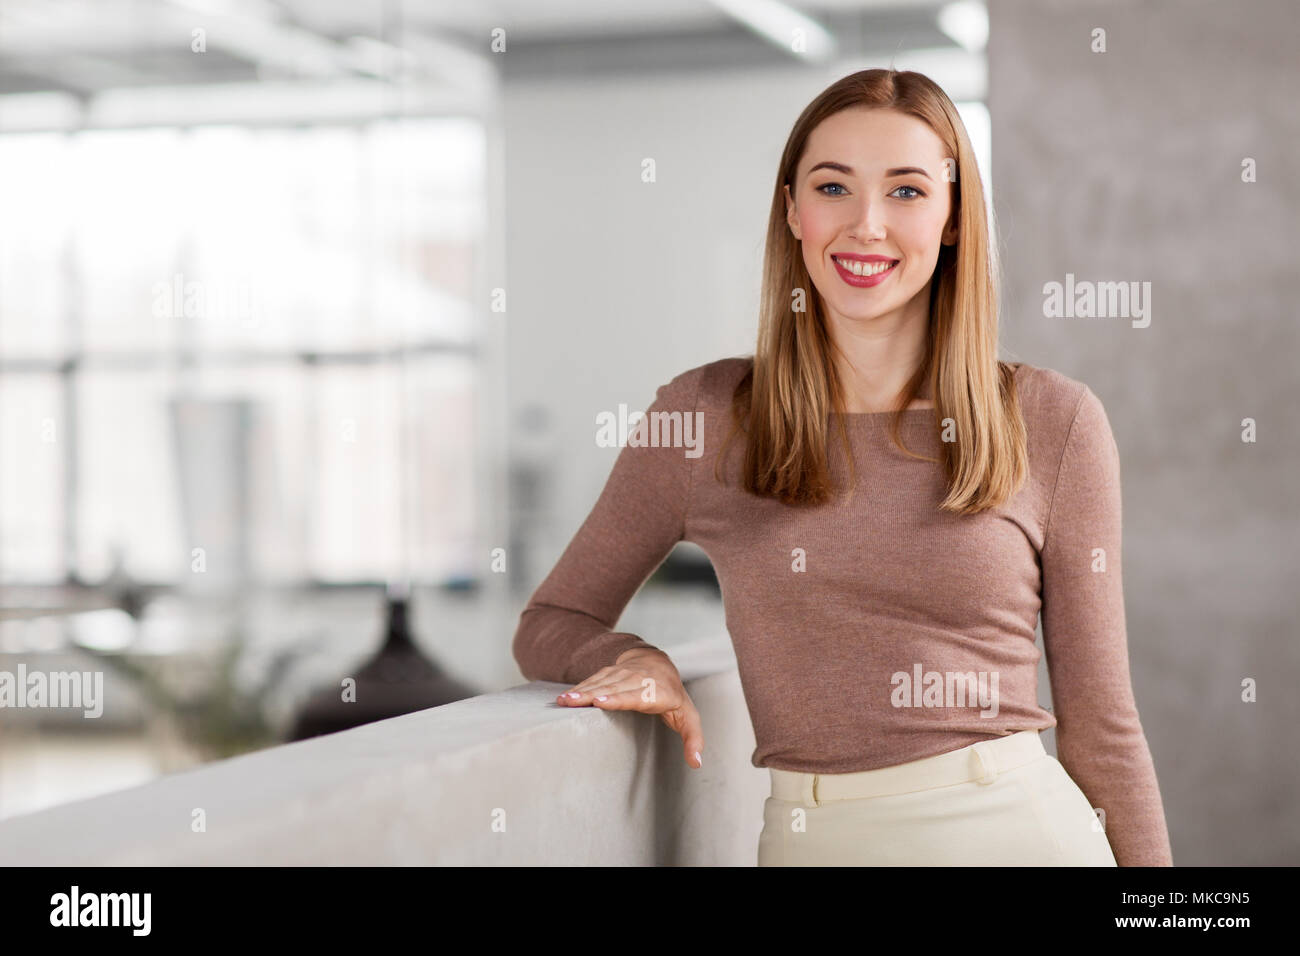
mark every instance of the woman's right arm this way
{"type": "Point", "coordinates": [566, 631]}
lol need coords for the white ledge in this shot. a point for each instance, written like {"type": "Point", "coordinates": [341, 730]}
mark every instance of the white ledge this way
{"type": "Point", "coordinates": [571, 786]}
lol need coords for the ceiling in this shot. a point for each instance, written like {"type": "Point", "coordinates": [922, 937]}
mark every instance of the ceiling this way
{"type": "Point", "coordinates": [86, 47]}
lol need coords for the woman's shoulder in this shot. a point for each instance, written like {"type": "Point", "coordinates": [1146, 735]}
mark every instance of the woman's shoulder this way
{"type": "Point", "coordinates": [1058, 408]}
{"type": "Point", "coordinates": [1046, 394]}
{"type": "Point", "coordinates": [712, 384]}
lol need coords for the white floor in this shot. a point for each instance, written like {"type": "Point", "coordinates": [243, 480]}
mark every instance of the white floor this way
{"type": "Point", "coordinates": [46, 769]}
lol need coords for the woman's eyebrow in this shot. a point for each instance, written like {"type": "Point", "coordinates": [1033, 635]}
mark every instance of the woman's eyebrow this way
{"type": "Point", "coordinates": [889, 173]}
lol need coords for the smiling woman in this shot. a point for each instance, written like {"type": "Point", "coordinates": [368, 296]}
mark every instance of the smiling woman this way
{"type": "Point", "coordinates": [829, 202]}
{"type": "Point", "coordinates": [879, 300]}
{"type": "Point", "coordinates": [869, 197]}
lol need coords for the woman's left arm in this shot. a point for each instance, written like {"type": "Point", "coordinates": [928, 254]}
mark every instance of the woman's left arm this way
{"type": "Point", "coordinates": [1099, 738]}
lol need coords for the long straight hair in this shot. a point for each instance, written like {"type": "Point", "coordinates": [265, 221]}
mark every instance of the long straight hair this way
{"type": "Point", "coordinates": [784, 402]}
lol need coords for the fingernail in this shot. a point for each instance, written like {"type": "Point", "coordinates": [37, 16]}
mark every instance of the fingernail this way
{"type": "Point", "coordinates": [698, 759]}
{"type": "Point", "coordinates": [573, 693]}
{"type": "Point", "coordinates": [602, 698]}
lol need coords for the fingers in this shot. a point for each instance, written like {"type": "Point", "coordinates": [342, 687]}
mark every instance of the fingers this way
{"type": "Point", "coordinates": [580, 695]}
{"type": "Point", "coordinates": [694, 745]}
{"type": "Point", "coordinates": [627, 693]}
{"type": "Point", "coordinates": [613, 698]}
{"type": "Point", "coordinates": [692, 731]}
{"type": "Point", "coordinates": [685, 719]}
{"type": "Point", "coordinates": [606, 683]}
{"type": "Point", "coordinates": [622, 689]}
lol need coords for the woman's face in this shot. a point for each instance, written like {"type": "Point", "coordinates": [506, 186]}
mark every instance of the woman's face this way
{"type": "Point", "coordinates": [854, 200]}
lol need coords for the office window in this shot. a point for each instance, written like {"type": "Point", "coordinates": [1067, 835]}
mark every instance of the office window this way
{"type": "Point", "coordinates": [259, 342]}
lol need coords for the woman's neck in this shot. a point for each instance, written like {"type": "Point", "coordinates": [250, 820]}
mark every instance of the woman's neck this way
{"type": "Point", "coordinates": [880, 388]}
{"type": "Point", "coordinates": [875, 359]}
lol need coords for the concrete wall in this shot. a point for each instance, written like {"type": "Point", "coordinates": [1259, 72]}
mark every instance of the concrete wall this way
{"type": "Point", "coordinates": [575, 786]}
{"type": "Point", "coordinates": [1126, 165]}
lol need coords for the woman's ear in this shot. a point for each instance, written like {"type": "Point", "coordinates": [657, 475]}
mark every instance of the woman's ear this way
{"type": "Point", "coordinates": [791, 217]}
{"type": "Point", "coordinates": [950, 231]}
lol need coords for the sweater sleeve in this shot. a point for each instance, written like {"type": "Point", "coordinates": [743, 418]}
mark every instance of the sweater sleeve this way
{"type": "Point", "coordinates": [1099, 738]}
{"type": "Point", "coordinates": [566, 631]}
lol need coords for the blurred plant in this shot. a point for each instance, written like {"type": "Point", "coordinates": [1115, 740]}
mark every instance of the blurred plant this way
{"type": "Point", "coordinates": [218, 715]}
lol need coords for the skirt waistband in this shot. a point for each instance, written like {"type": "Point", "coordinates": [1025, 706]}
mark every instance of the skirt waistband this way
{"type": "Point", "coordinates": [980, 762]}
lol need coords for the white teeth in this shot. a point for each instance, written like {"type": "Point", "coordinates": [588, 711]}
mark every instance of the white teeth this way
{"type": "Point", "coordinates": [859, 268]}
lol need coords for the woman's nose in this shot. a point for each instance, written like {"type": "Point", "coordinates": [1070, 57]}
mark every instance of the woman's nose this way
{"type": "Point", "coordinates": [869, 222]}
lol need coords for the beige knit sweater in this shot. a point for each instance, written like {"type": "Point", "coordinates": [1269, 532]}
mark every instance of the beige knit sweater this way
{"type": "Point", "coordinates": [858, 625]}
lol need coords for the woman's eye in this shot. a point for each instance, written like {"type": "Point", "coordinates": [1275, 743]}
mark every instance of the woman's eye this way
{"type": "Point", "coordinates": [913, 194]}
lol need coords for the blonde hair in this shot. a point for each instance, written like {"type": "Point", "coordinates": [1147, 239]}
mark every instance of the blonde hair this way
{"type": "Point", "coordinates": [784, 401]}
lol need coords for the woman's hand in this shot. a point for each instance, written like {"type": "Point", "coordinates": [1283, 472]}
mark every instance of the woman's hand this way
{"type": "Point", "coordinates": [644, 680]}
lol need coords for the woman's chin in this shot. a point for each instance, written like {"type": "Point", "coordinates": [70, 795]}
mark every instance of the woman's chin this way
{"type": "Point", "coordinates": [862, 316]}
